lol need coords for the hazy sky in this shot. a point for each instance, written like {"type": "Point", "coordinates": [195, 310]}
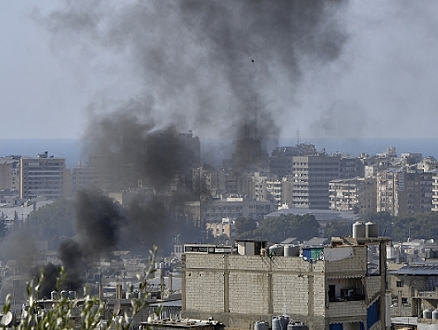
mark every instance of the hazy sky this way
{"type": "Point", "coordinates": [383, 82]}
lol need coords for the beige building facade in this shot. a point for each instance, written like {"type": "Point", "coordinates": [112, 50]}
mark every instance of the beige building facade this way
{"type": "Point", "coordinates": [325, 288]}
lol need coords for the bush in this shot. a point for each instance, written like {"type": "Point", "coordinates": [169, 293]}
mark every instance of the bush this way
{"type": "Point", "coordinates": [85, 313]}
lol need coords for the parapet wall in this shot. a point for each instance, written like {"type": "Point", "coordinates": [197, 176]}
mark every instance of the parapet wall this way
{"type": "Point", "coordinates": [242, 288]}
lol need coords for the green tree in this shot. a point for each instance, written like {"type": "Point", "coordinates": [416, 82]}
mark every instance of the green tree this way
{"type": "Point", "coordinates": [337, 228]}
{"type": "Point", "coordinates": [53, 222]}
{"type": "Point", "coordinates": [243, 225]}
{"type": "Point", "coordinates": [303, 227]}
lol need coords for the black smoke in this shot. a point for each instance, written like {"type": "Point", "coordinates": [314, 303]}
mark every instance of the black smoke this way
{"type": "Point", "coordinates": [98, 222]}
{"type": "Point", "coordinates": [208, 65]}
{"type": "Point", "coordinates": [168, 66]}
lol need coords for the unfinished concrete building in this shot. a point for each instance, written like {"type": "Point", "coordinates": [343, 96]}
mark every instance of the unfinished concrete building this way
{"type": "Point", "coordinates": [334, 287]}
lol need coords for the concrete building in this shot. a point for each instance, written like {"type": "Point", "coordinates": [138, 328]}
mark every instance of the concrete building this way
{"type": "Point", "coordinates": [281, 161]}
{"type": "Point", "coordinates": [233, 207]}
{"type": "Point", "coordinates": [328, 287]}
{"type": "Point", "coordinates": [350, 167]}
{"type": "Point", "coordinates": [311, 177]}
{"type": "Point", "coordinates": [357, 194]}
{"type": "Point", "coordinates": [414, 289]}
{"type": "Point", "coordinates": [224, 227]}
{"type": "Point", "coordinates": [400, 191]}
{"type": "Point", "coordinates": [45, 176]}
{"type": "Point", "coordinates": [10, 173]}
{"type": "Point", "coordinates": [434, 190]}
{"type": "Point", "coordinates": [84, 177]}
{"type": "Point", "coordinates": [261, 187]}
{"type": "Point", "coordinates": [192, 146]}
{"type": "Point", "coordinates": [208, 181]}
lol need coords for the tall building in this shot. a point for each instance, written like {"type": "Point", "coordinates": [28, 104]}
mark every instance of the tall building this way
{"type": "Point", "coordinates": [434, 190]}
{"type": "Point", "coordinates": [356, 194]}
{"type": "Point", "coordinates": [191, 146]}
{"type": "Point", "coordinates": [340, 286]}
{"type": "Point", "coordinates": [84, 177]}
{"type": "Point", "coordinates": [10, 173]}
{"type": "Point", "coordinates": [259, 186]}
{"type": "Point", "coordinates": [401, 191]}
{"type": "Point", "coordinates": [44, 176]}
{"type": "Point", "coordinates": [311, 175]}
{"type": "Point", "coordinates": [280, 162]}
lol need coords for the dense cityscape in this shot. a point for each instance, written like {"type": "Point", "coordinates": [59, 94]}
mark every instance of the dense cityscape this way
{"type": "Point", "coordinates": [154, 175]}
{"type": "Point", "coordinates": [99, 221]}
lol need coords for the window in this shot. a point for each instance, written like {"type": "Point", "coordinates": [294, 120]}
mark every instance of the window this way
{"type": "Point", "coordinates": [399, 284]}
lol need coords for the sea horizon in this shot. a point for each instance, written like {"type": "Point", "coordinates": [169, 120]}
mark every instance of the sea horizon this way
{"type": "Point", "coordinates": [70, 148]}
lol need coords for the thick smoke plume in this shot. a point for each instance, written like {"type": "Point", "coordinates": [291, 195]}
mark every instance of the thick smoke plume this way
{"type": "Point", "coordinates": [131, 153]}
{"type": "Point", "coordinates": [169, 66]}
{"type": "Point", "coordinates": [98, 222]}
{"type": "Point", "coordinates": [212, 66]}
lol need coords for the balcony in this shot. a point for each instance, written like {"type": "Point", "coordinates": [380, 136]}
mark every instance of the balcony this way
{"type": "Point", "coordinates": [426, 294]}
{"type": "Point", "coordinates": [346, 308]}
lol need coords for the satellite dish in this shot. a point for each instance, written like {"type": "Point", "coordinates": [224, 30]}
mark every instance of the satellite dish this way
{"type": "Point", "coordinates": [6, 319]}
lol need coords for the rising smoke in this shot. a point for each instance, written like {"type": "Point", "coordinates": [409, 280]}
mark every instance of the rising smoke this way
{"type": "Point", "coordinates": [205, 65]}
{"type": "Point", "coordinates": [211, 66]}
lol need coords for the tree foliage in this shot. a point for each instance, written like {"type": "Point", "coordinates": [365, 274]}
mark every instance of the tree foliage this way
{"type": "Point", "coordinates": [243, 225]}
{"type": "Point", "coordinates": [400, 228]}
{"type": "Point", "coordinates": [53, 222]}
{"type": "Point", "coordinates": [303, 227]}
{"type": "Point", "coordinates": [337, 228]}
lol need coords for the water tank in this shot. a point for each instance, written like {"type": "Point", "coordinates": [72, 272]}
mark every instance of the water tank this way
{"type": "Point", "coordinates": [390, 252]}
{"type": "Point", "coordinates": [54, 295]}
{"type": "Point", "coordinates": [435, 314]}
{"type": "Point", "coordinates": [261, 325]}
{"type": "Point", "coordinates": [297, 326]}
{"type": "Point", "coordinates": [276, 250]}
{"type": "Point", "coordinates": [358, 229]}
{"type": "Point", "coordinates": [371, 229]}
{"type": "Point", "coordinates": [427, 314]}
{"type": "Point", "coordinates": [276, 325]}
{"type": "Point", "coordinates": [280, 322]}
{"type": "Point", "coordinates": [291, 250]}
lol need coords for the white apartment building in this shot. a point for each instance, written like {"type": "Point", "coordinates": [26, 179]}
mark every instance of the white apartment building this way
{"type": "Point", "coordinates": [356, 194]}
{"type": "Point", "coordinates": [44, 176]}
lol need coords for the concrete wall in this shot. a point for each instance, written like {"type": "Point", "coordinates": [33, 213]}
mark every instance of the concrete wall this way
{"type": "Point", "coordinates": [372, 287]}
{"type": "Point", "coordinates": [240, 290]}
{"type": "Point", "coordinates": [345, 260]}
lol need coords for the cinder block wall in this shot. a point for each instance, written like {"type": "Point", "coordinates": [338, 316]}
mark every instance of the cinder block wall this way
{"type": "Point", "coordinates": [241, 290]}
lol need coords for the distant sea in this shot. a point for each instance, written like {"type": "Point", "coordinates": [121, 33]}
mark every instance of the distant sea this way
{"type": "Point", "coordinates": [71, 148]}
{"type": "Point", "coordinates": [371, 146]}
